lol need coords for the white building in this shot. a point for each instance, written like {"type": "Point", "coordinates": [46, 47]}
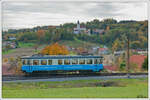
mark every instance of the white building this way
{"type": "Point", "coordinates": [12, 38]}
{"type": "Point", "coordinates": [78, 29]}
{"type": "Point", "coordinates": [98, 31]}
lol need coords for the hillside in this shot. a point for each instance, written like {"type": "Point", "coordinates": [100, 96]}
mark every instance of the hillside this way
{"type": "Point", "coordinates": [114, 34]}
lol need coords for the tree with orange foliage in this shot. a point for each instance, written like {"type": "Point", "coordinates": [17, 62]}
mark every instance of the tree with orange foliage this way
{"type": "Point", "coordinates": [107, 28]}
{"type": "Point", "coordinates": [40, 34]}
{"type": "Point", "coordinates": [55, 49]}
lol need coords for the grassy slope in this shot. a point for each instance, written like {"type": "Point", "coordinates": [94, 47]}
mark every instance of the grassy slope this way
{"type": "Point", "coordinates": [26, 45]}
{"type": "Point", "coordinates": [21, 45]}
{"type": "Point", "coordinates": [8, 52]}
{"type": "Point", "coordinates": [78, 43]}
{"type": "Point", "coordinates": [132, 89]}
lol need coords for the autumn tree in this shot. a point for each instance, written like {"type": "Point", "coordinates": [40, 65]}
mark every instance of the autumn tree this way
{"type": "Point", "coordinates": [116, 45]}
{"type": "Point", "coordinates": [40, 34]}
{"type": "Point", "coordinates": [107, 28]}
{"type": "Point", "coordinates": [55, 49]}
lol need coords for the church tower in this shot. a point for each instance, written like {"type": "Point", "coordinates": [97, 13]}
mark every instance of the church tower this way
{"type": "Point", "coordinates": [78, 25]}
{"type": "Point", "coordinates": [78, 29]}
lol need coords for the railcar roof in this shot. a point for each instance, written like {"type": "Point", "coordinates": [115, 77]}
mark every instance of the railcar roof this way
{"type": "Point", "coordinates": [59, 57]}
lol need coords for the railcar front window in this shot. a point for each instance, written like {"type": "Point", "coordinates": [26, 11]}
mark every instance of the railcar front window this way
{"type": "Point", "coordinates": [49, 62]}
{"type": "Point", "coordinates": [24, 62]}
{"type": "Point", "coordinates": [82, 61]}
{"type": "Point", "coordinates": [29, 62]}
{"type": "Point", "coordinates": [89, 61]}
{"type": "Point", "coordinates": [74, 61]}
{"type": "Point", "coordinates": [100, 61]}
{"type": "Point", "coordinates": [43, 62]}
{"type": "Point", "coordinates": [35, 62]}
{"type": "Point", "coordinates": [67, 62]}
{"type": "Point", "coordinates": [95, 61]}
{"type": "Point", "coordinates": [60, 62]}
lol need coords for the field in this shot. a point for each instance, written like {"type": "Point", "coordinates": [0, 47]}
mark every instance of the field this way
{"type": "Point", "coordinates": [116, 88]}
{"type": "Point", "coordinates": [24, 49]}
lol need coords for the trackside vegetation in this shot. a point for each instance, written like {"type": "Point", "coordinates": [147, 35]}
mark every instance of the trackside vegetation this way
{"type": "Point", "coordinates": [145, 64]}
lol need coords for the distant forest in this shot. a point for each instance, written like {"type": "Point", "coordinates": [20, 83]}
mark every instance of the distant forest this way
{"type": "Point", "coordinates": [115, 33]}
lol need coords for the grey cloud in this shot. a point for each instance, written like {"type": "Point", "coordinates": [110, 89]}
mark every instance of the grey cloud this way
{"type": "Point", "coordinates": [104, 10]}
{"type": "Point", "coordinates": [45, 12]}
{"type": "Point", "coordinates": [71, 8]}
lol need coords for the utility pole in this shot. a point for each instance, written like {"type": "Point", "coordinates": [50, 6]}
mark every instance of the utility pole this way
{"type": "Point", "coordinates": [128, 56]}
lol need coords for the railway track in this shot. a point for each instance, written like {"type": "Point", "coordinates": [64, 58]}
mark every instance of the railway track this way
{"type": "Point", "coordinates": [53, 76]}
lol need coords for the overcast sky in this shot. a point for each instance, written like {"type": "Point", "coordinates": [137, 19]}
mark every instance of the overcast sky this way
{"type": "Point", "coordinates": [27, 14]}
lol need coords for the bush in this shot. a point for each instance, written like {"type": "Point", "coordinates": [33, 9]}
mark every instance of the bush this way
{"type": "Point", "coordinates": [5, 60]}
{"type": "Point", "coordinates": [133, 67]}
{"type": "Point", "coordinates": [141, 96]}
{"type": "Point", "coordinates": [122, 65]}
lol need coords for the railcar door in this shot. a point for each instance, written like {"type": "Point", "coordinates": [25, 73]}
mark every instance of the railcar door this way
{"type": "Point", "coordinates": [60, 64]}
{"type": "Point", "coordinates": [29, 63]}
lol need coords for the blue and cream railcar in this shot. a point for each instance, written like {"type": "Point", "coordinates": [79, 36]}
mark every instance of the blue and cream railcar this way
{"type": "Point", "coordinates": [64, 63]}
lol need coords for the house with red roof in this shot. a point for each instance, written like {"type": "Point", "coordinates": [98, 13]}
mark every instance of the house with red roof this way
{"type": "Point", "coordinates": [102, 51]}
{"type": "Point", "coordinates": [137, 59]}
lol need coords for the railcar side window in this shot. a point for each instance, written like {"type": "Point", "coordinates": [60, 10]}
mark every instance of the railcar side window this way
{"type": "Point", "coordinates": [35, 62]}
{"type": "Point", "coordinates": [95, 61]}
{"type": "Point", "coordinates": [43, 62]}
{"type": "Point", "coordinates": [67, 62]}
{"type": "Point", "coordinates": [49, 62]}
{"type": "Point", "coordinates": [89, 61]}
{"type": "Point", "coordinates": [82, 61]}
{"type": "Point", "coordinates": [74, 61]}
{"type": "Point", "coordinates": [60, 62]}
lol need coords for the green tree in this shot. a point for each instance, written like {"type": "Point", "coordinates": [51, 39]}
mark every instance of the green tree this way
{"type": "Point", "coordinates": [110, 21]}
{"type": "Point", "coordinates": [122, 65]}
{"type": "Point", "coordinates": [145, 64]}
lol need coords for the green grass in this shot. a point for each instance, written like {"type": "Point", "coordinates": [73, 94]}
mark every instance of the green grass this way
{"type": "Point", "coordinates": [8, 52]}
{"type": "Point", "coordinates": [128, 88]}
{"type": "Point", "coordinates": [78, 43]}
{"type": "Point", "coordinates": [26, 45]}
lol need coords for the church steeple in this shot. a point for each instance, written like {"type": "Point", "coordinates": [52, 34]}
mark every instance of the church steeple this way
{"type": "Point", "coordinates": [78, 24]}
{"type": "Point", "coordinates": [78, 29]}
